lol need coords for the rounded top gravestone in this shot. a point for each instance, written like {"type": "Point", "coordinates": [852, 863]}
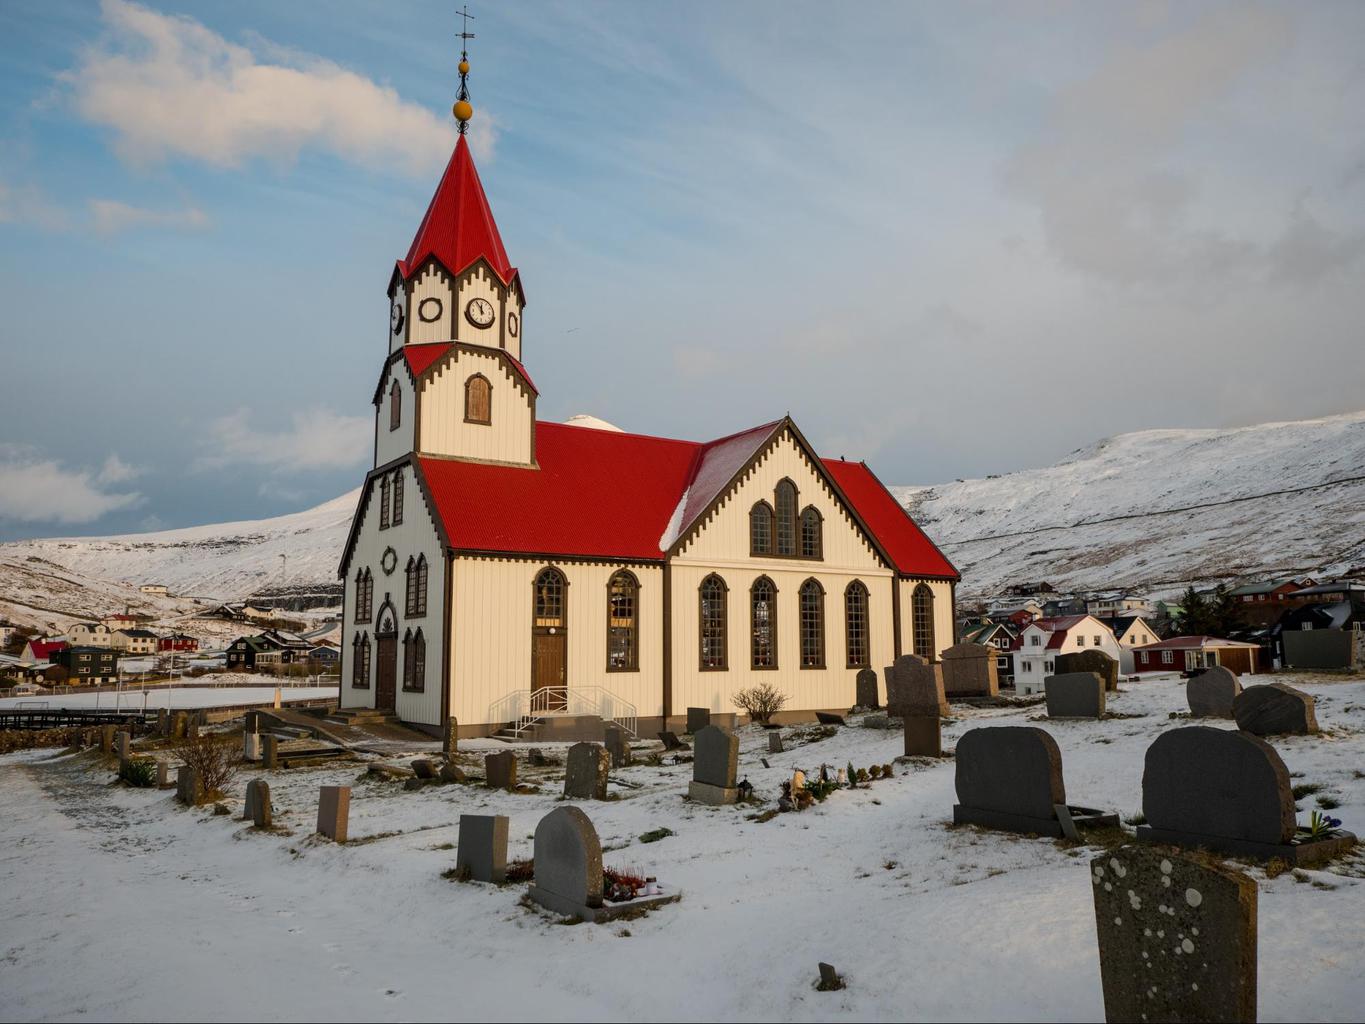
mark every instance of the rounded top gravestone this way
{"type": "Point", "coordinates": [1090, 661]}
{"type": "Point", "coordinates": [1013, 769]}
{"type": "Point", "coordinates": [1273, 709]}
{"type": "Point", "coordinates": [1211, 692]}
{"type": "Point", "coordinates": [568, 857]}
{"type": "Point", "coordinates": [866, 689]}
{"type": "Point", "coordinates": [1074, 695]}
{"type": "Point", "coordinates": [915, 687]}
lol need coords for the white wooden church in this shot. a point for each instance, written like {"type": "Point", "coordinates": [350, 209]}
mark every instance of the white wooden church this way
{"type": "Point", "coordinates": [503, 570]}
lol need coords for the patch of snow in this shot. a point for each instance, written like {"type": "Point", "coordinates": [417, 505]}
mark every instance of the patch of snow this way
{"type": "Point", "coordinates": [582, 419]}
{"type": "Point", "coordinates": [674, 527]}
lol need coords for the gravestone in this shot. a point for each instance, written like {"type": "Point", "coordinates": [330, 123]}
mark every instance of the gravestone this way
{"type": "Point", "coordinates": [829, 718]}
{"type": "Point", "coordinates": [969, 671]}
{"type": "Point", "coordinates": [163, 722]}
{"type": "Point", "coordinates": [188, 789]}
{"type": "Point", "coordinates": [1275, 709]}
{"type": "Point", "coordinates": [178, 725]}
{"type": "Point", "coordinates": [192, 724]}
{"type": "Point", "coordinates": [671, 742]}
{"type": "Point", "coordinates": [334, 812]}
{"type": "Point", "coordinates": [1177, 938]}
{"type": "Point", "coordinates": [867, 692]}
{"type": "Point", "coordinates": [715, 766]}
{"type": "Point", "coordinates": [774, 742]}
{"type": "Point", "coordinates": [500, 769]}
{"type": "Point", "coordinates": [252, 722]}
{"type": "Point", "coordinates": [1089, 661]}
{"type": "Point", "coordinates": [1211, 692]}
{"type": "Point", "coordinates": [106, 739]}
{"type": "Point", "coordinates": [163, 775]}
{"type": "Point", "coordinates": [258, 810]}
{"type": "Point", "coordinates": [618, 746]}
{"type": "Point", "coordinates": [482, 853]}
{"type": "Point", "coordinates": [122, 744]}
{"type": "Point", "coordinates": [1074, 695]}
{"type": "Point", "coordinates": [270, 751]}
{"type": "Point", "coordinates": [1224, 790]}
{"type": "Point", "coordinates": [568, 863]}
{"type": "Point", "coordinates": [251, 746]}
{"type": "Point", "coordinates": [915, 687]}
{"type": "Point", "coordinates": [698, 719]}
{"type": "Point", "coordinates": [923, 736]}
{"type": "Point", "coordinates": [278, 700]}
{"type": "Point", "coordinates": [1010, 777]}
{"type": "Point", "coordinates": [451, 772]}
{"type": "Point", "coordinates": [423, 768]}
{"type": "Point", "coordinates": [450, 737]}
{"type": "Point", "coordinates": [586, 770]}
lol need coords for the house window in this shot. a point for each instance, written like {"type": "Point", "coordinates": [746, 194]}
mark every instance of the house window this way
{"type": "Point", "coordinates": [397, 497]}
{"type": "Point", "coordinates": [549, 599]}
{"type": "Point", "coordinates": [786, 518]}
{"type": "Point", "coordinates": [761, 529]}
{"type": "Point", "coordinates": [855, 625]}
{"type": "Point", "coordinates": [395, 406]}
{"type": "Point", "coordinates": [416, 604]}
{"type": "Point", "coordinates": [1080, 641]}
{"type": "Point", "coordinates": [1034, 640]}
{"type": "Point", "coordinates": [478, 400]}
{"type": "Point", "coordinates": [812, 615]}
{"type": "Point", "coordinates": [712, 596]}
{"type": "Point", "coordinates": [414, 661]}
{"type": "Point", "coordinates": [384, 502]}
{"type": "Point", "coordinates": [1167, 657]}
{"type": "Point", "coordinates": [763, 624]}
{"type": "Point", "coordinates": [364, 595]}
{"type": "Point", "coordinates": [623, 634]}
{"type": "Point", "coordinates": [812, 543]}
{"type": "Point", "coordinates": [360, 662]}
{"type": "Point", "coordinates": [1096, 641]}
{"type": "Point", "coordinates": [922, 621]}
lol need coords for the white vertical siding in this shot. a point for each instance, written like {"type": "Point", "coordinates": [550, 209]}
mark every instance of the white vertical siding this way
{"type": "Point", "coordinates": [431, 283]}
{"type": "Point", "coordinates": [394, 443]}
{"type": "Point", "coordinates": [478, 282]}
{"type": "Point", "coordinates": [509, 438]}
{"type": "Point", "coordinates": [943, 615]}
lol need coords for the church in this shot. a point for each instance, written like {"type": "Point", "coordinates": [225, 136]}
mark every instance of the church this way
{"type": "Point", "coordinates": [517, 574]}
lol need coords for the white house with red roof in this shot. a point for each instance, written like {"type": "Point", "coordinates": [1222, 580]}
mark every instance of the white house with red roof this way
{"type": "Point", "coordinates": [1037, 646]}
{"type": "Point", "coordinates": [502, 570]}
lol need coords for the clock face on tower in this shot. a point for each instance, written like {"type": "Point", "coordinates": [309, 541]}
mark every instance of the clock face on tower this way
{"type": "Point", "coordinates": [396, 316]}
{"type": "Point", "coordinates": [480, 313]}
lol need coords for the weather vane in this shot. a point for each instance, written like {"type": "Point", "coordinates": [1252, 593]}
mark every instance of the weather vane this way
{"type": "Point", "coordinates": [463, 109]}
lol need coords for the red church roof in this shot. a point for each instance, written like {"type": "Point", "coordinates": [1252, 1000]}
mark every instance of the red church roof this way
{"type": "Point", "coordinates": [913, 553]}
{"type": "Point", "coordinates": [458, 227]}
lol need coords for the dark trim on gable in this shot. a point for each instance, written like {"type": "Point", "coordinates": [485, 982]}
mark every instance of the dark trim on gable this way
{"type": "Point", "coordinates": [956, 576]}
{"type": "Point", "coordinates": [730, 487]}
{"type": "Point", "coordinates": [406, 459]}
{"type": "Point", "coordinates": [447, 638]}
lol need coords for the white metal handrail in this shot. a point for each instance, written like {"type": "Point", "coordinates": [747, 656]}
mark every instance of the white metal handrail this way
{"type": "Point", "coordinates": [524, 708]}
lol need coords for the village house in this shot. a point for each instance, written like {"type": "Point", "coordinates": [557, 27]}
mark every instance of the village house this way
{"type": "Point", "coordinates": [999, 635]}
{"type": "Point", "coordinates": [177, 642]}
{"type": "Point", "coordinates": [1131, 632]}
{"type": "Point", "coordinates": [1186, 654]}
{"type": "Point", "coordinates": [40, 652]}
{"type": "Point", "coordinates": [90, 634]}
{"type": "Point", "coordinates": [502, 569]}
{"type": "Point", "coordinates": [155, 589]}
{"type": "Point", "coordinates": [242, 653]}
{"type": "Point", "coordinates": [88, 665]}
{"type": "Point", "coordinates": [7, 633]}
{"type": "Point", "coordinates": [1330, 593]}
{"type": "Point", "coordinates": [1277, 592]}
{"type": "Point", "coordinates": [1106, 606]}
{"type": "Point", "coordinates": [134, 641]}
{"type": "Point", "coordinates": [1037, 646]}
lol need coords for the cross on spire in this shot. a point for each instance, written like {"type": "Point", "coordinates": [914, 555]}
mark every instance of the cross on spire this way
{"type": "Point", "coordinates": [463, 109]}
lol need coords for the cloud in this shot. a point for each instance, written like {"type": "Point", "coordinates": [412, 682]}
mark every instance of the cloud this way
{"type": "Point", "coordinates": [36, 490]}
{"type": "Point", "coordinates": [318, 439]}
{"type": "Point", "coordinates": [111, 216]}
{"type": "Point", "coordinates": [170, 87]}
{"type": "Point", "coordinates": [116, 471]}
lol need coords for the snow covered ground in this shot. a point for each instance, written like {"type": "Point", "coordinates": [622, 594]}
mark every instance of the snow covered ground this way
{"type": "Point", "coordinates": [121, 905]}
{"type": "Point", "coordinates": [176, 697]}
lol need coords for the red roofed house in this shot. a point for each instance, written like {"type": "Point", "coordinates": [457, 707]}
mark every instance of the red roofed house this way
{"type": "Point", "coordinates": [503, 570]}
{"type": "Point", "coordinates": [40, 652]}
{"type": "Point", "coordinates": [1036, 647]}
{"type": "Point", "coordinates": [1193, 653]}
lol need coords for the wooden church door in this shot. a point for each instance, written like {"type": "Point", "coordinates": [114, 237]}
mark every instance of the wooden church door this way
{"type": "Point", "coordinates": [386, 675]}
{"type": "Point", "coordinates": [548, 642]}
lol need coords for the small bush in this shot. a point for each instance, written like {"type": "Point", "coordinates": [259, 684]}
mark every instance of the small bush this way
{"type": "Point", "coordinates": [213, 757]}
{"type": "Point", "coordinates": [139, 772]}
{"type": "Point", "coordinates": [760, 702]}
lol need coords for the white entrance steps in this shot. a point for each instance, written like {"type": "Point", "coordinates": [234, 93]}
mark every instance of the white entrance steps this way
{"type": "Point", "coordinates": [559, 712]}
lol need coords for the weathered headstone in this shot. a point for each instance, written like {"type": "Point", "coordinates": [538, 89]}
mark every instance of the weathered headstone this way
{"type": "Point", "coordinates": [334, 812]}
{"type": "Point", "coordinates": [866, 689]}
{"type": "Point", "coordinates": [915, 687]}
{"type": "Point", "coordinates": [251, 746]}
{"type": "Point", "coordinates": [1211, 692]}
{"type": "Point", "coordinates": [450, 737]}
{"type": "Point", "coordinates": [1074, 695]}
{"type": "Point", "coordinates": [123, 744]}
{"type": "Point", "coordinates": [1224, 790]}
{"type": "Point", "coordinates": [1275, 709]}
{"type": "Point", "coordinates": [188, 789]}
{"type": "Point", "coordinates": [568, 863]}
{"type": "Point", "coordinates": [163, 775]}
{"type": "Point", "coordinates": [1010, 777]}
{"type": "Point", "coordinates": [923, 736]}
{"type": "Point", "coordinates": [258, 809]}
{"type": "Point", "coordinates": [698, 719]}
{"type": "Point", "coordinates": [251, 722]}
{"type": "Point", "coordinates": [163, 722]}
{"type": "Point", "coordinates": [423, 768]}
{"type": "Point", "coordinates": [774, 742]}
{"type": "Point", "coordinates": [278, 700]}
{"type": "Point", "coordinates": [500, 769]}
{"type": "Point", "coordinates": [1089, 661]}
{"type": "Point", "coordinates": [179, 722]}
{"type": "Point", "coordinates": [1177, 938]}
{"type": "Point", "coordinates": [715, 767]}
{"type": "Point", "coordinates": [451, 772]}
{"type": "Point", "coordinates": [270, 751]}
{"type": "Point", "coordinates": [586, 771]}
{"type": "Point", "coordinates": [671, 742]}
{"type": "Point", "coordinates": [482, 853]}
{"type": "Point", "coordinates": [969, 671]}
{"type": "Point", "coordinates": [107, 739]}
{"type": "Point", "coordinates": [618, 746]}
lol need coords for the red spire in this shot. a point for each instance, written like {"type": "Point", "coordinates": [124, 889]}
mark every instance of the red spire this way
{"type": "Point", "coordinates": [459, 227]}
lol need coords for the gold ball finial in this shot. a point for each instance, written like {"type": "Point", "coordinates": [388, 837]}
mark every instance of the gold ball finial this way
{"type": "Point", "coordinates": [464, 67]}
{"type": "Point", "coordinates": [463, 110]}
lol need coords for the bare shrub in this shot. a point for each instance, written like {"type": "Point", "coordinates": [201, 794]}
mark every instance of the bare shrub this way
{"type": "Point", "coordinates": [214, 759]}
{"type": "Point", "coordinates": [760, 702]}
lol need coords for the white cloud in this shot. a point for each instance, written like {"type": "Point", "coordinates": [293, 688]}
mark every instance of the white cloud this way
{"type": "Point", "coordinates": [318, 439]}
{"type": "Point", "coordinates": [38, 490]}
{"type": "Point", "coordinates": [111, 216]}
{"type": "Point", "coordinates": [116, 471]}
{"type": "Point", "coordinates": [168, 86]}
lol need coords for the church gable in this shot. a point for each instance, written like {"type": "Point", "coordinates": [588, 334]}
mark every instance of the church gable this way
{"type": "Point", "coordinates": [475, 405]}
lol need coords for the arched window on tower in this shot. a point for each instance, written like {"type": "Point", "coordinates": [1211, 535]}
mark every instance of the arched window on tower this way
{"type": "Point", "coordinates": [397, 496]}
{"type": "Point", "coordinates": [712, 596]}
{"type": "Point", "coordinates": [478, 400]}
{"type": "Point", "coordinates": [786, 518]}
{"type": "Point", "coordinates": [395, 406]}
{"type": "Point", "coordinates": [922, 621]}
{"type": "Point", "coordinates": [623, 633]}
{"type": "Point", "coordinates": [763, 623]}
{"type": "Point", "coordinates": [761, 529]}
{"type": "Point", "coordinates": [384, 502]}
{"type": "Point", "coordinates": [812, 613]}
{"type": "Point", "coordinates": [812, 538]}
{"type": "Point", "coordinates": [855, 625]}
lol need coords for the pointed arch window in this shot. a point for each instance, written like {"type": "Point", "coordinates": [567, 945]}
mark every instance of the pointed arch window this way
{"type": "Point", "coordinates": [360, 662]}
{"type": "Point", "coordinates": [763, 624]}
{"type": "Point", "coordinates": [384, 502]}
{"type": "Point", "coordinates": [397, 497]}
{"type": "Point", "coordinates": [478, 400]}
{"type": "Point", "coordinates": [785, 499]}
{"type": "Point", "coordinates": [712, 599]}
{"type": "Point", "coordinates": [416, 603]}
{"type": "Point", "coordinates": [623, 625]}
{"type": "Point", "coordinates": [812, 533]}
{"type": "Point", "coordinates": [855, 626]}
{"type": "Point", "coordinates": [414, 661]}
{"type": "Point", "coordinates": [364, 595]}
{"type": "Point", "coordinates": [395, 406]}
{"type": "Point", "coordinates": [812, 612]}
{"type": "Point", "coordinates": [761, 529]}
{"type": "Point", "coordinates": [549, 598]}
{"type": "Point", "coordinates": [922, 621]}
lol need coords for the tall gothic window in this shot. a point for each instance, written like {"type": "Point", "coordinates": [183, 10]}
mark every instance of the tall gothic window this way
{"type": "Point", "coordinates": [623, 633]}
{"type": "Point", "coordinates": [812, 542]}
{"type": "Point", "coordinates": [416, 604]}
{"type": "Point", "coordinates": [549, 598]}
{"type": "Point", "coordinates": [761, 529]}
{"type": "Point", "coordinates": [763, 624]}
{"type": "Point", "coordinates": [712, 597]}
{"type": "Point", "coordinates": [812, 606]}
{"type": "Point", "coordinates": [922, 621]}
{"type": "Point", "coordinates": [397, 497]}
{"type": "Point", "coordinates": [395, 406]}
{"type": "Point", "coordinates": [384, 502]}
{"type": "Point", "coordinates": [786, 518]}
{"type": "Point", "coordinates": [414, 661]}
{"type": "Point", "coordinates": [478, 400]}
{"type": "Point", "coordinates": [364, 595]}
{"type": "Point", "coordinates": [360, 661]}
{"type": "Point", "coordinates": [855, 625]}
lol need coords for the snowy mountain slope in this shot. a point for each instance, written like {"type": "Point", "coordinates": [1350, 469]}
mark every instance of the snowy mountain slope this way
{"type": "Point", "coordinates": [1155, 509]}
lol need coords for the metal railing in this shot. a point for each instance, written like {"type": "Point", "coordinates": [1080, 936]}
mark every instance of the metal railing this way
{"type": "Point", "coordinates": [523, 709]}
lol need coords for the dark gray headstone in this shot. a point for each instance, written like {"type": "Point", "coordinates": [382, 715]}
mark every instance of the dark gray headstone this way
{"type": "Point", "coordinates": [586, 772]}
{"type": "Point", "coordinates": [1011, 770]}
{"type": "Point", "coordinates": [258, 810]}
{"type": "Point", "coordinates": [568, 861]}
{"type": "Point", "coordinates": [915, 687]}
{"type": "Point", "coordinates": [424, 768]}
{"type": "Point", "coordinates": [774, 742]}
{"type": "Point", "coordinates": [618, 746]}
{"type": "Point", "coordinates": [1212, 692]}
{"type": "Point", "coordinates": [1275, 709]}
{"type": "Point", "coordinates": [1089, 661]}
{"type": "Point", "coordinates": [715, 759]}
{"type": "Point", "coordinates": [867, 695]}
{"type": "Point", "coordinates": [1177, 938]}
{"type": "Point", "coordinates": [671, 742]}
{"type": "Point", "coordinates": [698, 719]}
{"type": "Point", "coordinates": [500, 769]}
{"type": "Point", "coordinates": [969, 671]}
{"type": "Point", "coordinates": [923, 736]}
{"type": "Point", "coordinates": [1074, 695]}
{"type": "Point", "coordinates": [482, 852]}
{"type": "Point", "coordinates": [334, 812]}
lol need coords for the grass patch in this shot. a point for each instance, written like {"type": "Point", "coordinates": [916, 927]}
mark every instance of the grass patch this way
{"type": "Point", "coordinates": [1304, 789]}
{"type": "Point", "coordinates": [1328, 802]}
{"type": "Point", "coordinates": [1136, 819]}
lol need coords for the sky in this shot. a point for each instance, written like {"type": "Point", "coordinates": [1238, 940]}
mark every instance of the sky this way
{"type": "Point", "coordinates": [952, 239]}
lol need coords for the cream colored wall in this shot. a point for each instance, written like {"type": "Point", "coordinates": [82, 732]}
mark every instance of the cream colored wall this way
{"type": "Point", "coordinates": [491, 634]}
{"type": "Point", "coordinates": [512, 342]}
{"type": "Point", "coordinates": [393, 443]}
{"type": "Point", "coordinates": [431, 283]}
{"type": "Point", "coordinates": [479, 283]}
{"type": "Point", "coordinates": [443, 429]}
{"type": "Point", "coordinates": [400, 299]}
{"type": "Point", "coordinates": [943, 615]}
